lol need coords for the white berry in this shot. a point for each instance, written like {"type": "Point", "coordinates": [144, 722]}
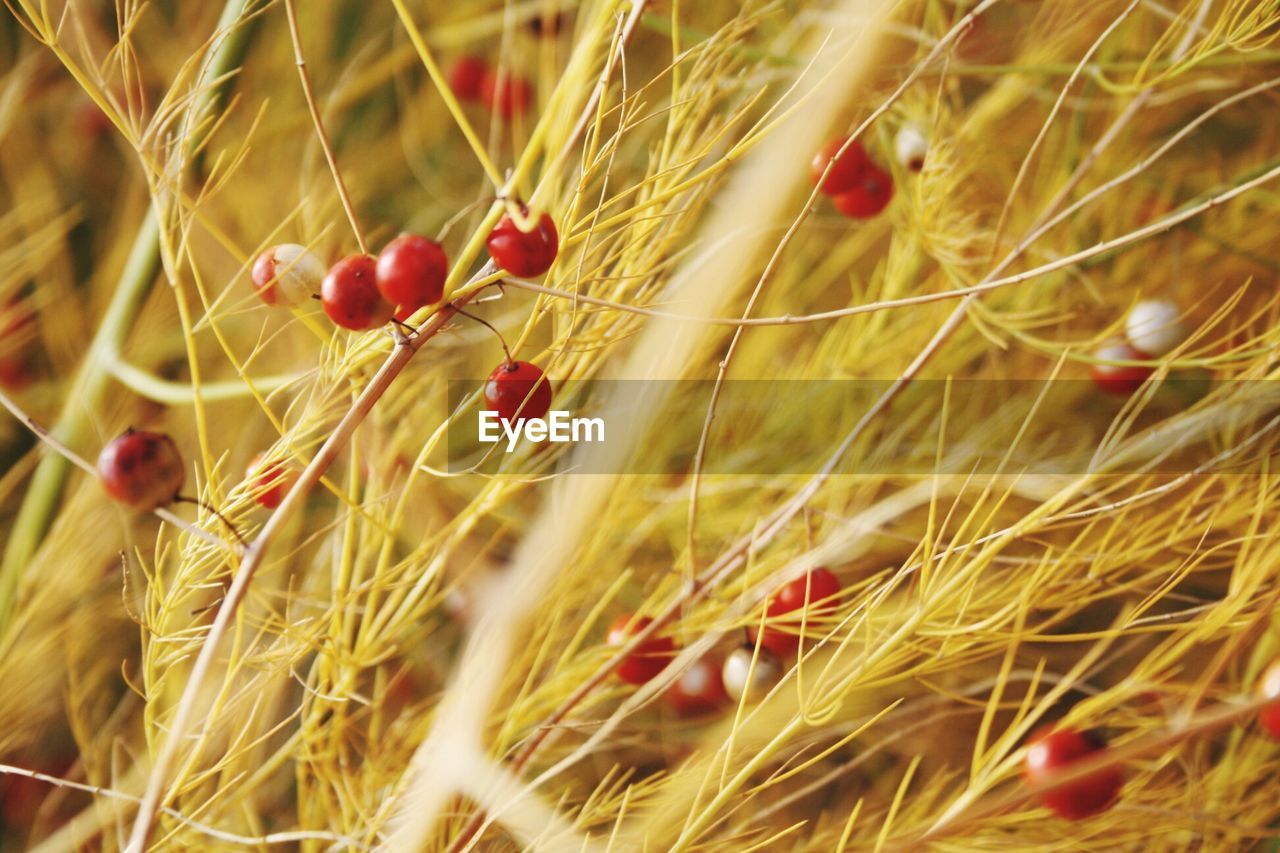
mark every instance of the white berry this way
{"type": "Point", "coordinates": [740, 677]}
{"type": "Point", "coordinates": [287, 274]}
{"type": "Point", "coordinates": [911, 147]}
{"type": "Point", "coordinates": [1155, 326]}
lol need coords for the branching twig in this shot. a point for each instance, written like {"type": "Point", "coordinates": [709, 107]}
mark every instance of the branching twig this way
{"type": "Point", "coordinates": [254, 555]}
{"type": "Point", "coordinates": [733, 559]}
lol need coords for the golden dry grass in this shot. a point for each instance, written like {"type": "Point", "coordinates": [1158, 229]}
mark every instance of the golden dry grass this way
{"type": "Point", "coordinates": [415, 658]}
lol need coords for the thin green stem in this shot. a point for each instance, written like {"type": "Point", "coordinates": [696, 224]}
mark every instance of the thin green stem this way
{"type": "Point", "coordinates": [169, 393]}
{"type": "Point", "coordinates": [73, 425]}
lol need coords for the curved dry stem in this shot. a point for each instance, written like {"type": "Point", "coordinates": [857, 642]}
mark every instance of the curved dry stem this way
{"type": "Point", "coordinates": [252, 559]}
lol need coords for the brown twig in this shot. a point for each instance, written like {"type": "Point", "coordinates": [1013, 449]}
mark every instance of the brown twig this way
{"type": "Point", "coordinates": [254, 554]}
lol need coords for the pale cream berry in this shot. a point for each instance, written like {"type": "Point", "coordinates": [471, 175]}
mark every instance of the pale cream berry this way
{"type": "Point", "coordinates": [1155, 326]}
{"type": "Point", "coordinates": [287, 274]}
{"type": "Point", "coordinates": [911, 146]}
{"type": "Point", "coordinates": [743, 676]}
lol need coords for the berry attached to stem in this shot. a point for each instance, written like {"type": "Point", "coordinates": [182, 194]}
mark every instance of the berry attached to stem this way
{"type": "Point", "coordinates": [1049, 751]}
{"type": "Point", "coordinates": [287, 274]}
{"type": "Point", "coordinates": [521, 253]}
{"type": "Point", "coordinates": [649, 658]}
{"type": "Point", "coordinates": [700, 689]}
{"type": "Point", "coordinates": [869, 195]}
{"type": "Point", "coordinates": [142, 470]}
{"type": "Point", "coordinates": [1155, 327]}
{"type": "Point", "coordinates": [411, 272]}
{"type": "Point", "coordinates": [349, 294]}
{"type": "Point", "coordinates": [271, 480]}
{"type": "Point", "coordinates": [517, 390]}
{"type": "Point", "coordinates": [750, 673]}
{"type": "Point", "coordinates": [1119, 379]}
{"type": "Point", "coordinates": [846, 169]}
{"type": "Point", "coordinates": [911, 146]}
{"type": "Point", "coordinates": [817, 592]}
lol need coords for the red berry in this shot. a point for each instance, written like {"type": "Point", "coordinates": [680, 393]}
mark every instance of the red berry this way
{"type": "Point", "coordinates": [16, 364]}
{"type": "Point", "coordinates": [466, 77]}
{"type": "Point", "coordinates": [846, 171]}
{"type": "Point", "coordinates": [411, 272]}
{"type": "Point", "coordinates": [1269, 688]}
{"type": "Point", "coordinates": [349, 294]}
{"type": "Point", "coordinates": [821, 588]}
{"type": "Point", "coordinates": [1049, 751]}
{"type": "Point", "coordinates": [517, 390]}
{"type": "Point", "coordinates": [526, 254]}
{"type": "Point", "coordinates": [699, 689]}
{"type": "Point", "coordinates": [1115, 378]}
{"type": "Point", "coordinates": [649, 658]}
{"type": "Point", "coordinates": [141, 469]}
{"type": "Point", "coordinates": [402, 690]}
{"type": "Point", "coordinates": [90, 121]}
{"type": "Point", "coordinates": [271, 480]}
{"type": "Point", "coordinates": [870, 194]}
{"type": "Point", "coordinates": [506, 94]}
{"type": "Point", "coordinates": [15, 373]}
{"type": "Point", "coordinates": [287, 274]}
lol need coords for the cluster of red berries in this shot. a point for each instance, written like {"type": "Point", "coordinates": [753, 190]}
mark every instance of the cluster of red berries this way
{"type": "Point", "coordinates": [144, 470]}
{"type": "Point", "coordinates": [858, 187]}
{"type": "Point", "coordinates": [360, 291]}
{"type": "Point", "coordinates": [505, 94]}
{"type": "Point", "coordinates": [1153, 328]}
{"type": "Point", "coordinates": [711, 683]}
{"type": "Point", "coordinates": [519, 389]}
